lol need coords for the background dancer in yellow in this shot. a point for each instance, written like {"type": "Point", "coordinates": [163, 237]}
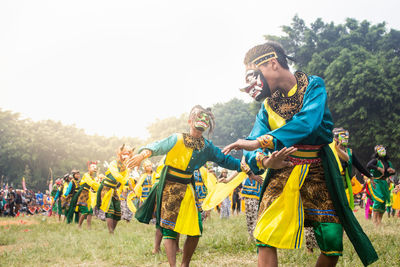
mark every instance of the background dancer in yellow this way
{"type": "Point", "coordinates": [107, 196]}
{"type": "Point", "coordinates": [146, 181]}
{"type": "Point", "coordinates": [82, 197]}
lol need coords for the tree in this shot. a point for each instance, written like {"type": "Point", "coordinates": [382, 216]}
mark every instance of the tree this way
{"type": "Point", "coordinates": [360, 64]}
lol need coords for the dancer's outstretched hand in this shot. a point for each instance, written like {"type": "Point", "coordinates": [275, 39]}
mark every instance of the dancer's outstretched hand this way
{"type": "Point", "coordinates": [279, 159]}
{"type": "Point", "coordinates": [248, 145]}
{"type": "Point", "coordinates": [134, 161]}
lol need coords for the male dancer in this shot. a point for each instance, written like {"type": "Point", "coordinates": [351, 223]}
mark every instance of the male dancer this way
{"type": "Point", "coordinates": [174, 198]}
{"type": "Point", "coordinates": [307, 188]}
{"type": "Point", "coordinates": [107, 196]}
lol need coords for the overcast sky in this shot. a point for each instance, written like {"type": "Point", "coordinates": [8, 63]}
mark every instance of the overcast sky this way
{"type": "Point", "coordinates": [114, 67]}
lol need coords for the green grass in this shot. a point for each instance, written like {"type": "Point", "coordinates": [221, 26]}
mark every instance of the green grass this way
{"type": "Point", "coordinates": [224, 243]}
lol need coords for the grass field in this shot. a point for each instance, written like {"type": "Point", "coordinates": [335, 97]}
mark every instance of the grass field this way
{"type": "Point", "coordinates": [42, 241]}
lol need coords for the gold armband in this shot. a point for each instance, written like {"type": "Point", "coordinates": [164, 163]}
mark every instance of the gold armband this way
{"type": "Point", "coordinates": [260, 158]}
{"type": "Point", "coordinates": [266, 141]}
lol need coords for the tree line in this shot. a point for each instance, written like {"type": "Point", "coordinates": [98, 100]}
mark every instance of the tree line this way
{"type": "Point", "coordinates": [359, 62]}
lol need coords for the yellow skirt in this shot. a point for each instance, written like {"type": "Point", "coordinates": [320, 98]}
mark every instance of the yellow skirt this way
{"type": "Point", "coordinates": [281, 224]}
{"type": "Point", "coordinates": [178, 209]}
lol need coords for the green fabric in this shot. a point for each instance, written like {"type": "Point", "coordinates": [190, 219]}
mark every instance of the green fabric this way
{"type": "Point", "coordinates": [145, 213]}
{"type": "Point", "coordinates": [59, 208]}
{"type": "Point", "coordinates": [114, 211]}
{"type": "Point", "coordinates": [350, 188]}
{"type": "Point", "coordinates": [334, 183]}
{"type": "Point", "coordinates": [329, 237]}
{"type": "Point", "coordinates": [168, 234]}
{"type": "Point", "coordinates": [72, 205]}
{"type": "Point", "coordinates": [76, 219]}
{"type": "Point", "coordinates": [379, 207]}
{"type": "Point", "coordinates": [98, 195]}
{"type": "Point", "coordinates": [85, 210]}
{"type": "Point", "coordinates": [350, 162]}
{"type": "Point", "coordinates": [381, 192]}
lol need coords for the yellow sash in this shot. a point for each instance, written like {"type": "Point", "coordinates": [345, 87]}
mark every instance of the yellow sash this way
{"type": "Point", "coordinates": [209, 179]}
{"type": "Point", "coordinates": [221, 191]}
{"type": "Point", "coordinates": [106, 200]}
{"type": "Point", "coordinates": [281, 224]}
{"type": "Point", "coordinates": [129, 202]}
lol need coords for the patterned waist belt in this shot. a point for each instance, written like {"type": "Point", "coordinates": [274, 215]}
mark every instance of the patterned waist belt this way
{"type": "Point", "coordinates": [305, 154]}
{"type": "Point", "coordinates": [179, 176]}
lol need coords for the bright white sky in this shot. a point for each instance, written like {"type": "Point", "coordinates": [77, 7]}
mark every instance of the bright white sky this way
{"type": "Point", "coordinates": [113, 67]}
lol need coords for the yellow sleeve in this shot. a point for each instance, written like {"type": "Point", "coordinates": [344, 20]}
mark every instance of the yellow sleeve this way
{"type": "Point", "coordinates": [138, 187]}
{"type": "Point", "coordinates": [113, 168]}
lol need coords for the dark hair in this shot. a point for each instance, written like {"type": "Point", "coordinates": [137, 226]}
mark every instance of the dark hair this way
{"type": "Point", "coordinates": [196, 110]}
{"type": "Point", "coordinates": [267, 47]}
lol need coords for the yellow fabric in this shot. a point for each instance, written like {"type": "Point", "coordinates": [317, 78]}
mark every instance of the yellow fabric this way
{"type": "Point", "coordinates": [91, 202]}
{"type": "Point", "coordinates": [180, 175]}
{"type": "Point", "coordinates": [121, 177]}
{"type": "Point", "coordinates": [357, 186]}
{"type": "Point", "coordinates": [139, 186]}
{"type": "Point", "coordinates": [274, 120]}
{"type": "Point", "coordinates": [221, 191]}
{"type": "Point", "coordinates": [129, 202]}
{"type": "Point", "coordinates": [372, 192]}
{"type": "Point", "coordinates": [396, 201]}
{"type": "Point", "coordinates": [281, 224]}
{"type": "Point", "coordinates": [187, 222]}
{"type": "Point", "coordinates": [106, 200]}
{"type": "Point", "coordinates": [180, 155]}
{"type": "Point", "coordinates": [157, 173]}
{"type": "Point", "coordinates": [332, 146]}
{"type": "Point", "coordinates": [90, 181]}
{"type": "Point", "coordinates": [92, 199]}
{"type": "Point", "coordinates": [305, 154]}
{"type": "Point", "coordinates": [209, 179]}
{"type": "Point", "coordinates": [119, 191]}
{"type": "Point", "coordinates": [65, 187]}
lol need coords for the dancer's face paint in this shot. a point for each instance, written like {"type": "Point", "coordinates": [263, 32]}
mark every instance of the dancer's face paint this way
{"type": "Point", "coordinates": [256, 85]}
{"type": "Point", "coordinates": [381, 151]}
{"type": "Point", "coordinates": [343, 138]}
{"type": "Point", "coordinates": [202, 122]}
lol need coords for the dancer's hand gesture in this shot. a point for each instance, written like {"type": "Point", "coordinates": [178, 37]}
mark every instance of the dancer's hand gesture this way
{"type": "Point", "coordinates": [279, 159]}
{"type": "Point", "coordinates": [248, 145]}
{"type": "Point", "coordinates": [134, 161]}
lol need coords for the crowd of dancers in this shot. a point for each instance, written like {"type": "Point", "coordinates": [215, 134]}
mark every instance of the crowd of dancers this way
{"type": "Point", "coordinates": [296, 174]}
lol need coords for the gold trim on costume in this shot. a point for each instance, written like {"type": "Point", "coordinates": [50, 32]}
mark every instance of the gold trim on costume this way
{"type": "Point", "coordinates": [178, 174]}
{"type": "Point", "coordinates": [305, 154]}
